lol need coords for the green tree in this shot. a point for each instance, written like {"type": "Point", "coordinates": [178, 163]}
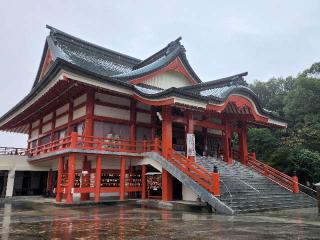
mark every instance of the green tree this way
{"type": "Point", "coordinates": [273, 92]}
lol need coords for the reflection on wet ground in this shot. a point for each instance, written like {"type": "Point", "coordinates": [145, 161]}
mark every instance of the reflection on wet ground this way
{"type": "Point", "coordinates": [26, 220]}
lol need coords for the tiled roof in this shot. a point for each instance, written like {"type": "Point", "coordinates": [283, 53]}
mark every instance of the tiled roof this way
{"type": "Point", "coordinates": [88, 56]}
{"type": "Point", "coordinates": [160, 60]}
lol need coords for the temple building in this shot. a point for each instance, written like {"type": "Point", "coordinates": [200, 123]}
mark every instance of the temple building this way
{"type": "Point", "coordinates": [105, 125]}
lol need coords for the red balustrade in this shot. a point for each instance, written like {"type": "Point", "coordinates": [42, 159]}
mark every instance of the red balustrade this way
{"type": "Point", "coordinates": [75, 141]}
{"type": "Point", "coordinates": [208, 180]}
{"type": "Point", "coordinates": [290, 183]}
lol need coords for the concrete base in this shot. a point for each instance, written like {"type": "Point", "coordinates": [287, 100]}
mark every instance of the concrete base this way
{"type": "Point", "coordinates": [175, 205]}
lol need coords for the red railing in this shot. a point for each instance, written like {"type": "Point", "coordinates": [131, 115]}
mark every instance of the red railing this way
{"type": "Point", "coordinates": [12, 151]}
{"type": "Point", "coordinates": [208, 180]}
{"type": "Point", "coordinates": [290, 183]}
{"type": "Point", "coordinates": [75, 141]}
{"type": "Point", "coordinates": [52, 146]}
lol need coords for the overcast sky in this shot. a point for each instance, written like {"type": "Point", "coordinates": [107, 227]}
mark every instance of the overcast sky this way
{"type": "Point", "coordinates": [222, 38]}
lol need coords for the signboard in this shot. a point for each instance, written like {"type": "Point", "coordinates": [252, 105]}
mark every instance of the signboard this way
{"type": "Point", "coordinates": [191, 145]}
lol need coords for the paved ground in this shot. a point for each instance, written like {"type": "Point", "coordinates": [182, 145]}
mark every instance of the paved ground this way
{"type": "Point", "coordinates": [36, 220]}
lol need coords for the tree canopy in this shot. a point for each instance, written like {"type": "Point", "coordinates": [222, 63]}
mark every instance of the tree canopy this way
{"type": "Point", "coordinates": [297, 148]}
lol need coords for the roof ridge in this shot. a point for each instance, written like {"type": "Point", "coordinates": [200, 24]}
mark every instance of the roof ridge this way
{"type": "Point", "coordinates": [237, 78]}
{"type": "Point", "coordinates": [164, 51]}
{"type": "Point", "coordinates": [54, 32]}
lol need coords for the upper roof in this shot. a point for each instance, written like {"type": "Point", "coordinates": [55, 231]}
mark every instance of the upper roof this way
{"type": "Point", "coordinates": [107, 62]}
{"type": "Point", "coordinates": [86, 55]}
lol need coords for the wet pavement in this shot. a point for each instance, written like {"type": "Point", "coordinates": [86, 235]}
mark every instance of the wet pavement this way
{"type": "Point", "coordinates": [35, 220]}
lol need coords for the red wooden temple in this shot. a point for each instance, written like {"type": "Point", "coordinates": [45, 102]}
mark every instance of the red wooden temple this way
{"type": "Point", "coordinates": [94, 115]}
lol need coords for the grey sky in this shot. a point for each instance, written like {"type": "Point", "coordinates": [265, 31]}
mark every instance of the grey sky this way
{"type": "Point", "coordinates": [265, 38]}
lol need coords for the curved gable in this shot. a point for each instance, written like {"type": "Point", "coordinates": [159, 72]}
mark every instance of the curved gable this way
{"type": "Point", "coordinates": [168, 79]}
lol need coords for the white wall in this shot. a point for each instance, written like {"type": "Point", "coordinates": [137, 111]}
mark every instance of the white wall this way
{"type": "Point", "coordinates": [168, 79]}
{"type": "Point", "coordinates": [188, 194]}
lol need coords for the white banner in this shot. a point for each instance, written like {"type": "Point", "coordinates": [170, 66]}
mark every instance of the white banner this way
{"type": "Point", "coordinates": [191, 145]}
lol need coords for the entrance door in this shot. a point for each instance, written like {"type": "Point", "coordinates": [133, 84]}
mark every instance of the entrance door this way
{"type": "Point", "coordinates": [200, 148]}
{"type": "Point", "coordinates": [3, 183]}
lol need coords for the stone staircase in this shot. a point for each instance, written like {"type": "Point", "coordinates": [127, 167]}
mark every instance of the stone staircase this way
{"type": "Point", "coordinates": [204, 194]}
{"type": "Point", "coordinates": [245, 190]}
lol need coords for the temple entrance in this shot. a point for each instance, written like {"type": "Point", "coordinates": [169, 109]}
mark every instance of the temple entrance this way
{"type": "Point", "coordinates": [29, 183]}
{"type": "Point", "coordinates": [178, 137]}
{"type": "Point", "coordinates": [177, 189]}
{"type": "Point", "coordinates": [200, 146]}
{"type": "Point", "coordinates": [3, 183]}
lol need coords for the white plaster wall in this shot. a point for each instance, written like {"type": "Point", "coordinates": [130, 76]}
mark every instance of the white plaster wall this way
{"type": "Point", "coordinates": [112, 99]}
{"type": "Point", "coordinates": [79, 112]}
{"type": "Point", "coordinates": [147, 160]}
{"type": "Point", "coordinates": [80, 100]}
{"type": "Point", "coordinates": [61, 120]}
{"type": "Point", "coordinates": [188, 194]}
{"type": "Point", "coordinates": [47, 127]}
{"type": "Point", "coordinates": [10, 183]}
{"type": "Point", "coordinates": [34, 133]}
{"type": "Point", "coordinates": [105, 111]}
{"type": "Point", "coordinates": [143, 117]}
{"type": "Point", "coordinates": [18, 163]}
{"type": "Point", "coordinates": [35, 124]}
{"type": "Point", "coordinates": [62, 109]}
{"type": "Point", "coordinates": [47, 117]}
{"type": "Point", "coordinates": [168, 79]}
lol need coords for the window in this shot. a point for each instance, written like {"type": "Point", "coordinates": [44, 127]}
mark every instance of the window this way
{"type": "Point", "coordinates": [103, 129]}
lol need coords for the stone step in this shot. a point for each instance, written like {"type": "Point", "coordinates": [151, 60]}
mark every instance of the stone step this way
{"type": "Point", "coordinates": [239, 180]}
{"type": "Point", "coordinates": [259, 209]}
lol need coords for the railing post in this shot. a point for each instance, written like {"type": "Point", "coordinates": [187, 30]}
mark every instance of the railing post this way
{"type": "Point", "coordinates": [215, 182]}
{"type": "Point", "coordinates": [156, 145]}
{"type": "Point", "coordinates": [295, 184]}
{"type": "Point", "coordinates": [99, 144]}
{"type": "Point", "coordinates": [74, 139]}
{"type": "Point", "coordinates": [265, 170]}
{"type": "Point", "coordinates": [144, 146]}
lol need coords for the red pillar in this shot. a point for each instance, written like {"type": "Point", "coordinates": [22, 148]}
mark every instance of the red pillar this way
{"type": "Point", "coordinates": [295, 187]}
{"type": "Point", "coordinates": [85, 179]}
{"type": "Point", "coordinates": [216, 184]}
{"type": "Point", "coordinates": [243, 144]}
{"type": "Point", "coordinates": [122, 177]}
{"type": "Point", "coordinates": [166, 131]}
{"type": "Point", "coordinates": [59, 180]}
{"type": "Point", "coordinates": [71, 166]}
{"type": "Point", "coordinates": [144, 181]}
{"type": "Point", "coordinates": [98, 179]}
{"type": "Point", "coordinates": [167, 187]}
{"type": "Point", "coordinates": [226, 144]}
